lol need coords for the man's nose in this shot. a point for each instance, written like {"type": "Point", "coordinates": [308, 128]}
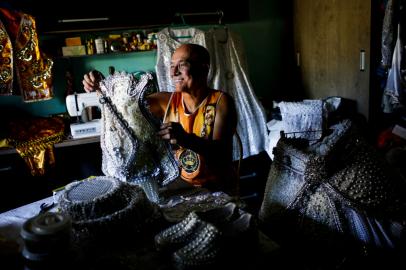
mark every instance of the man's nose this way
{"type": "Point", "coordinates": [175, 70]}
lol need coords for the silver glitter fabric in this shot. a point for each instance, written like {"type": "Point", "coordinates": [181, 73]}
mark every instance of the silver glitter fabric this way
{"type": "Point", "coordinates": [104, 207]}
{"type": "Point", "coordinates": [228, 72]}
{"type": "Point", "coordinates": [131, 151]}
{"type": "Point", "coordinates": [303, 119]}
{"type": "Point", "coordinates": [388, 34]}
{"type": "Point", "coordinates": [339, 186]}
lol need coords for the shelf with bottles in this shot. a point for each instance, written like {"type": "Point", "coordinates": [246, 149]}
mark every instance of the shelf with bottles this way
{"type": "Point", "coordinates": [151, 51]}
{"type": "Point", "coordinates": [97, 44]}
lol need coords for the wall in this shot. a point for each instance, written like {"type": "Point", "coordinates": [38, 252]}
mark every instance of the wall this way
{"type": "Point", "coordinates": [266, 38]}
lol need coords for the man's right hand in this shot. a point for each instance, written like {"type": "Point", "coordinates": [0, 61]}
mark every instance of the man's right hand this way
{"type": "Point", "coordinates": [91, 81]}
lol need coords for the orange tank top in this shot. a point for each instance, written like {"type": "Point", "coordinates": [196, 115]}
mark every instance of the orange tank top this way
{"type": "Point", "coordinates": [200, 122]}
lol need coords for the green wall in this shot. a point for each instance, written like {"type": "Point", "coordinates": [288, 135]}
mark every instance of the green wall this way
{"type": "Point", "coordinates": [267, 48]}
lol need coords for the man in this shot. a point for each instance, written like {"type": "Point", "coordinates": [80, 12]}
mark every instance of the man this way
{"type": "Point", "coordinates": [200, 122]}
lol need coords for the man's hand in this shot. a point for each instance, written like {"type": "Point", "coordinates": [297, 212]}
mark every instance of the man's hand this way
{"type": "Point", "coordinates": [174, 133]}
{"type": "Point", "coordinates": [91, 81]}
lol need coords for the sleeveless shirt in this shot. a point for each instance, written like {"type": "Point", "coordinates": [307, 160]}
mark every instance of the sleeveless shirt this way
{"type": "Point", "coordinates": [200, 122]}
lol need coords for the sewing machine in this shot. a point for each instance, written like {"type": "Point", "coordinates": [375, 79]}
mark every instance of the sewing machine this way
{"type": "Point", "coordinates": [77, 105]}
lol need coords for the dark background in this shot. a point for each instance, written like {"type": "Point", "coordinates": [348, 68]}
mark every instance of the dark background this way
{"type": "Point", "coordinates": [125, 13]}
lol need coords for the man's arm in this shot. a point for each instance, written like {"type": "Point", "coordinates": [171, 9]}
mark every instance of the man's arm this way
{"type": "Point", "coordinates": [157, 103]}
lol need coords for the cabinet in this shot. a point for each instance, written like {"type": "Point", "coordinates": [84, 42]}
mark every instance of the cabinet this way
{"type": "Point", "coordinates": [332, 43]}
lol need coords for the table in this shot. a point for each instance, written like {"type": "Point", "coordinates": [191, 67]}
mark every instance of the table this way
{"type": "Point", "coordinates": [140, 256]}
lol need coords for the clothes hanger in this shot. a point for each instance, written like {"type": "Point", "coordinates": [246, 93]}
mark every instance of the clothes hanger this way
{"type": "Point", "coordinates": [182, 25]}
{"type": "Point", "coordinates": [221, 30]}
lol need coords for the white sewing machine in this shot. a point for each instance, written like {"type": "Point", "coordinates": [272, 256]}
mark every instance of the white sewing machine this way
{"type": "Point", "coordinates": [77, 105]}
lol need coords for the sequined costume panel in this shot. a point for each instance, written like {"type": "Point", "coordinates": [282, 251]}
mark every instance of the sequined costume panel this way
{"type": "Point", "coordinates": [131, 151]}
{"type": "Point", "coordinates": [303, 119]}
{"type": "Point", "coordinates": [21, 54]}
{"type": "Point", "coordinates": [33, 68]}
{"type": "Point", "coordinates": [388, 34]}
{"type": "Point", "coordinates": [6, 60]}
{"type": "Point", "coordinates": [227, 72]}
{"type": "Point", "coordinates": [339, 184]}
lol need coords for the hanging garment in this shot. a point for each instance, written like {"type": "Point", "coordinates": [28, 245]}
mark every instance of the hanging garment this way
{"type": "Point", "coordinates": [169, 40]}
{"type": "Point", "coordinates": [388, 34]}
{"type": "Point", "coordinates": [131, 150]}
{"type": "Point", "coordinates": [228, 72]}
{"type": "Point", "coordinates": [394, 92]}
{"type": "Point", "coordinates": [32, 69]}
{"type": "Point", "coordinates": [335, 191]}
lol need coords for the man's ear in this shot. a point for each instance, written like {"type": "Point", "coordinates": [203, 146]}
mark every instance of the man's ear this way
{"type": "Point", "coordinates": [206, 68]}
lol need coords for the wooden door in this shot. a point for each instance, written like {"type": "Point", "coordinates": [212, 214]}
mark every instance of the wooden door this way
{"type": "Point", "coordinates": [329, 37]}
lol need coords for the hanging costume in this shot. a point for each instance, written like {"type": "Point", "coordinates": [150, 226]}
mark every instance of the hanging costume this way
{"type": "Point", "coordinates": [393, 56]}
{"type": "Point", "coordinates": [194, 168]}
{"type": "Point", "coordinates": [32, 69]}
{"type": "Point", "coordinates": [228, 72]}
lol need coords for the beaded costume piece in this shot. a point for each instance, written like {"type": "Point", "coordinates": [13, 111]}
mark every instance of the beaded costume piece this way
{"type": "Point", "coordinates": [338, 186]}
{"type": "Point", "coordinates": [34, 141]}
{"type": "Point", "coordinates": [6, 58]}
{"type": "Point", "coordinates": [103, 208]}
{"type": "Point", "coordinates": [131, 151]}
{"type": "Point", "coordinates": [32, 68]}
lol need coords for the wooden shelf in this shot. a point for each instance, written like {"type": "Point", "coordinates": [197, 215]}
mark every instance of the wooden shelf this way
{"type": "Point", "coordinates": [153, 51]}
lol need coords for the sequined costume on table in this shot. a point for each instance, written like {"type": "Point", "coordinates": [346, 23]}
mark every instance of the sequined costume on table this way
{"type": "Point", "coordinates": [194, 168]}
{"type": "Point", "coordinates": [228, 71]}
{"type": "Point", "coordinates": [34, 140]}
{"type": "Point", "coordinates": [19, 52]}
{"type": "Point", "coordinates": [131, 151]}
{"type": "Point", "coordinates": [336, 189]}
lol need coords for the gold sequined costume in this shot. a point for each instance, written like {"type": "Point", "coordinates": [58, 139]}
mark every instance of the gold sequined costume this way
{"type": "Point", "coordinates": [19, 51]}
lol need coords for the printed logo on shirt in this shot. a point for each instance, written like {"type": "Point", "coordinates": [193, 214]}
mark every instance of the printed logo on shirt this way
{"type": "Point", "coordinates": [189, 161]}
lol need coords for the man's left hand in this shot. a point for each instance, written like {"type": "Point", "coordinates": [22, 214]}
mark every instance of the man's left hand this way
{"type": "Point", "coordinates": [173, 132]}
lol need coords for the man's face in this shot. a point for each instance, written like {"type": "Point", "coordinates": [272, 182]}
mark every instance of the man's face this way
{"type": "Point", "coordinates": [180, 70]}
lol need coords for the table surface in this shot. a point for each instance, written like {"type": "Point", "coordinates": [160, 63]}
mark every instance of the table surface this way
{"type": "Point", "coordinates": [144, 256]}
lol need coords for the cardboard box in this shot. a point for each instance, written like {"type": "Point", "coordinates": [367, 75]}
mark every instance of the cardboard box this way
{"type": "Point", "coordinates": [73, 41]}
{"type": "Point", "coordinates": [73, 50]}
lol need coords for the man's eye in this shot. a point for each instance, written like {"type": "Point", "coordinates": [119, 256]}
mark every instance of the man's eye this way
{"type": "Point", "coordinates": [183, 65]}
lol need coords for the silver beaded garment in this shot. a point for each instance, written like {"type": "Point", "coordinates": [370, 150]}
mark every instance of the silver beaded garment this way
{"type": "Point", "coordinates": [131, 150]}
{"type": "Point", "coordinates": [339, 185]}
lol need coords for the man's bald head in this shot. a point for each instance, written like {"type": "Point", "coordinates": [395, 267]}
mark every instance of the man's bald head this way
{"type": "Point", "coordinates": [199, 55]}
